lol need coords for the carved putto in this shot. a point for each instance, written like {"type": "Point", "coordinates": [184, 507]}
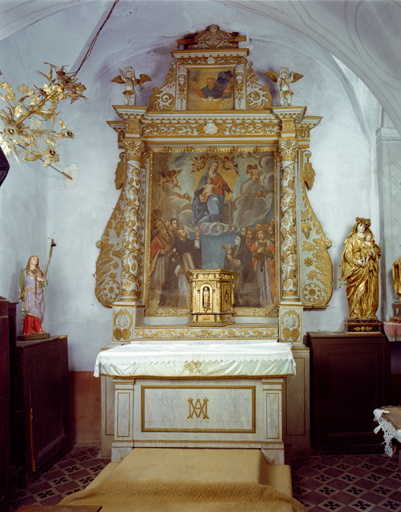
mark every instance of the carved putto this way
{"type": "Point", "coordinates": [128, 78]}
{"type": "Point", "coordinates": [283, 80]}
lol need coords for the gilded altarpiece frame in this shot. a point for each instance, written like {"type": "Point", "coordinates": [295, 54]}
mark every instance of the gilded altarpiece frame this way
{"type": "Point", "coordinates": [161, 147]}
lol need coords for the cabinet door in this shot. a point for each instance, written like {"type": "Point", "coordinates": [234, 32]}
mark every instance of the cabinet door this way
{"type": "Point", "coordinates": [349, 382]}
{"type": "Point", "coordinates": [48, 401]}
{"type": "Point", "coordinates": [5, 460]}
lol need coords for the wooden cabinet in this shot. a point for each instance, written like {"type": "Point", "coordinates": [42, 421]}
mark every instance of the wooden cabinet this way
{"type": "Point", "coordinates": [8, 467]}
{"type": "Point", "coordinates": [5, 409]}
{"type": "Point", "coordinates": [43, 406]}
{"type": "Point", "coordinates": [350, 376]}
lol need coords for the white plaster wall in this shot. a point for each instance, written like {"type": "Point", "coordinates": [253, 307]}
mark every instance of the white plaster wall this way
{"type": "Point", "coordinates": [342, 150]}
{"type": "Point", "coordinates": [23, 199]}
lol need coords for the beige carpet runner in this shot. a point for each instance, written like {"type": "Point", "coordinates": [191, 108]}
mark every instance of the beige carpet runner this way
{"type": "Point", "coordinates": [190, 480]}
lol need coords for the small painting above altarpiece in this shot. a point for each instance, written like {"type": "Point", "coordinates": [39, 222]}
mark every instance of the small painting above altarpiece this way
{"type": "Point", "coordinates": [212, 210]}
{"type": "Point", "coordinates": [210, 89]}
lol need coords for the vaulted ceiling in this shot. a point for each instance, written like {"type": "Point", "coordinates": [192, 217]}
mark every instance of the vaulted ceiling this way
{"type": "Point", "coordinates": [362, 34]}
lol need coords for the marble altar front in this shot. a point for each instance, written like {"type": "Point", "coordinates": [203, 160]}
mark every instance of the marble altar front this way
{"type": "Point", "coordinates": [198, 395]}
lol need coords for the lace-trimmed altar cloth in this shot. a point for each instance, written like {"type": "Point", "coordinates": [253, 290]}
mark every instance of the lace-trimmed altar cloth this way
{"type": "Point", "coordinates": [256, 359]}
{"type": "Point", "coordinates": [389, 419]}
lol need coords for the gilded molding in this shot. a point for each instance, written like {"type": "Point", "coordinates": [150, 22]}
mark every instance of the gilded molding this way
{"type": "Point", "coordinates": [193, 126]}
{"type": "Point", "coordinates": [204, 60]}
{"type": "Point", "coordinates": [186, 332]}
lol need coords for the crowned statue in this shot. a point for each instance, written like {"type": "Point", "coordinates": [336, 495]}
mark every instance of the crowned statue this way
{"type": "Point", "coordinates": [397, 287]}
{"type": "Point", "coordinates": [360, 269]}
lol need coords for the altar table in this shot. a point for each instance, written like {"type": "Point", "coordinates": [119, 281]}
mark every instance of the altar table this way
{"type": "Point", "coordinates": [191, 394]}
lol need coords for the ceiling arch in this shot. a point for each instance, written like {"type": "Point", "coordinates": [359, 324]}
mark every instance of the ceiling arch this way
{"type": "Point", "coordinates": [362, 34]}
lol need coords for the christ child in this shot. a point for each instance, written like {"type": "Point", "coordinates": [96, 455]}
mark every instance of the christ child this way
{"type": "Point", "coordinates": [207, 191]}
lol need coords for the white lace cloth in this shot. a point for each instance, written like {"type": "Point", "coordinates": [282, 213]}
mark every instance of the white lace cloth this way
{"type": "Point", "coordinates": [260, 359]}
{"type": "Point", "coordinates": [389, 431]}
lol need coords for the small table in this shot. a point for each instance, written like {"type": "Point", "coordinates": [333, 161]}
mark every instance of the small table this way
{"type": "Point", "coordinates": [389, 419]}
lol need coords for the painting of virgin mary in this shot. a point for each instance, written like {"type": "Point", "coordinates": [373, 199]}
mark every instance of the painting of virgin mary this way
{"type": "Point", "coordinates": [208, 200]}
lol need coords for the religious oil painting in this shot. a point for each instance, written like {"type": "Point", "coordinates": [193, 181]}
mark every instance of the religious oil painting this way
{"type": "Point", "coordinates": [212, 210]}
{"type": "Point", "coordinates": [211, 89]}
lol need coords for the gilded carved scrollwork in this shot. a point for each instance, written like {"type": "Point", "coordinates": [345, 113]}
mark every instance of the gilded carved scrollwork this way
{"type": "Point", "coordinates": [194, 126]}
{"type": "Point", "coordinates": [288, 228]}
{"type": "Point", "coordinates": [108, 264]}
{"type": "Point", "coordinates": [163, 98]}
{"type": "Point", "coordinates": [133, 238]}
{"type": "Point", "coordinates": [213, 37]}
{"type": "Point", "coordinates": [317, 268]}
{"type": "Point", "coordinates": [258, 96]}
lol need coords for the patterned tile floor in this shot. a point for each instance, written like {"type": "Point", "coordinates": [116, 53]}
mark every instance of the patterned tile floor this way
{"type": "Point", "coordinates": [370, 483]}
{"type": "Point", "coordinates": [347, 482]}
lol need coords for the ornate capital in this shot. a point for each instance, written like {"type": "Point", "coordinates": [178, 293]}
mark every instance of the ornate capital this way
{"type": "Point", "coordinates": [134, 150]}
{"type": "Point", "coordinates": [288, 149]}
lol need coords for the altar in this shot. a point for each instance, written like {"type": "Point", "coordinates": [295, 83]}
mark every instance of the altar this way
{"type": "Point", "coordinates": [210, 257]}
{"type": "Point", "coordinates": [221, 395]}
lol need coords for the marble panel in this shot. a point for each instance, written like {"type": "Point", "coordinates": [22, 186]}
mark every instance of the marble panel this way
{"type": "Point", "coordinates": [205, 408]}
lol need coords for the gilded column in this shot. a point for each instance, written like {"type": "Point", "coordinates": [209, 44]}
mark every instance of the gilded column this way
{"type": "Point", "coordinates": [128, 310]}
{"type": "Point", "coordinates": [133, 238]}
{"type": "Point", "coordinates": [289, 289]}
{"type": "Point", "coordinates": [290, 314]}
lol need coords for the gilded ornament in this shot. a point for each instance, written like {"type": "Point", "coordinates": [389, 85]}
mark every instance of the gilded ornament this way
{"type": "Point", "coordinates": [164, 98]}
{"type": "Point", "coordinates": [212, 38]}
{"type": "Point", "coordinates": [288, 149]}
{"type": "Point", "coordinates": [318, 284]}
{"type": "Point", "coordinates": [38, 104]}
{"type": "Point", "coordinates": [396, 268]}
{"type": "Point", "coordinates": [258, 96]}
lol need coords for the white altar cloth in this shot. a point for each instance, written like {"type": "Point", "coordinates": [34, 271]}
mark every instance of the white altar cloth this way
{"type": "Point", "coordinates": [177, 360]}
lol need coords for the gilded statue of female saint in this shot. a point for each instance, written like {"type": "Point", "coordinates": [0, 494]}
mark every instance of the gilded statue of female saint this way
{"type": "Point", "coordinates": [360, 268]}
{"type": "Point", "coordinates": [397, 277]}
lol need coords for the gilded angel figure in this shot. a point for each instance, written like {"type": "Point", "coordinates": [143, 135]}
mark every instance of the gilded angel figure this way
{"type": "Point", "coordinates": [128, 78]}
{"type": "Point", "coordinates": [283, 80]}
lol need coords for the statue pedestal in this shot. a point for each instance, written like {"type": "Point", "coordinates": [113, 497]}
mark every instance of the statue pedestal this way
{"type": "Point", "coordinates": [34, 336]}
{"type": "Point", "coordinates": [363, 326]}
{"type": "Point", "coordinates": [397, 312]}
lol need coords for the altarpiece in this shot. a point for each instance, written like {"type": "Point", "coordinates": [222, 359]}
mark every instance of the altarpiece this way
{"type": "Point", "coordinates": [213, 176]}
